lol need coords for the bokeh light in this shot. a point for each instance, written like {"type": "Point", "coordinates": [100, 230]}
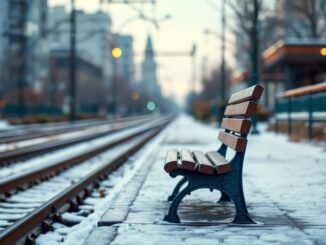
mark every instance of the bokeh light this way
{"type": "Point", "coordinates": [323, 51]}
{"type": "Point", "coordinates": [151, 106]}
{"type": "Point", "coordinates": [116, 52]}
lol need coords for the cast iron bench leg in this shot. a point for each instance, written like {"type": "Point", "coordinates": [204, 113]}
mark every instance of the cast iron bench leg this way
{"type": "Point", "coordinates": [235, 192]}
{"type": "Point", "coordinates": [172, 215]}
{"type": "Point", "coordinates": [224, 198]}
{"type": "Point", "coordinates": [242, 215]}
{"type": "Point", "coordinates": [177, 188]}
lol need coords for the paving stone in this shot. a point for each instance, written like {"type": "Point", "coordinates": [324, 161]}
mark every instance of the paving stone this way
{"type": "Point", "coordinates": [284, 185]}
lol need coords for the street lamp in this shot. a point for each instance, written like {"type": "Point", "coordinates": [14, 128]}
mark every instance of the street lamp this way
{"type": "Point", "coordinates": [72, 64]}
{"type": "Point", "coordinates": [116, 54]}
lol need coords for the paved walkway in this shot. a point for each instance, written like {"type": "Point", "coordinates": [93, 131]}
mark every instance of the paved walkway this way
{"type": "Point", "coordinates": [284, 185]}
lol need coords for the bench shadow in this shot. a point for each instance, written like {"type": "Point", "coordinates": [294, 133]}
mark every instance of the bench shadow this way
{"type": "Point", "coordinates": [205, 213]}
{"type": "Point", "coordinates": [210, 213]}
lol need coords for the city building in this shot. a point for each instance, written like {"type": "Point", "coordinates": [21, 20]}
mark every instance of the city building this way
{"type": "Point", "coordinates": [23, 46]}
{"type": "Point", "coordinates": [93, 39]}
{"type": "Point", "coordinates": [3, 44]}
{"type": "Point", "coordinates": [148, 80]}
{"type": "Point", "coordinates": [90, 92]}
{"type": "Point", "coordinates": [125, 63]}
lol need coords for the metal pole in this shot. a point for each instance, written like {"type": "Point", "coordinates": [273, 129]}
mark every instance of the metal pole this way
{"type": "Point", "coordinates": [289, 116]}
{"type": "Point", "coordinates": [18, 49]}
{"type": "Point", "coordinates": [276, 110]}
{"type": "Point", "coordinates": [254, 58]}
{"type": "Point", "coordinates": [223, 52]}
{"type": "Point", "coordinates": [72, 68]}
{"type": "Point", "coordinates": [114, 86]}
{"type": "Point", "coordinates": [221, 105]}
{"type": "Point", "coordinates": [193, 80]}
{"type": "Point", "coordinates": [310, 119]}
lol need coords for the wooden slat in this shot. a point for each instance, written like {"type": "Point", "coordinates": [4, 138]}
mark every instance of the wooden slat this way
{"type": "Point", "coordinates": [241, 126]}
{"type": "Point", "coordinates": [252, 93]}
{"type": "Point", "coordinates": [221, 164]}
{"type": "Point", "coordinates": [187, 160]}
{"type": "Point", "coordinates": [244, 109]}
{"type": "Point", "coordinates": [204, 165]}
{"type": "Point", "coordinates": [171, 161]}
{"type": "Point", "coordinates": [232, 141]}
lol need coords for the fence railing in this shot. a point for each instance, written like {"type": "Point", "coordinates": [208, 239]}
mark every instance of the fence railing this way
{"type": "Point", "coordinates": [307, 104]}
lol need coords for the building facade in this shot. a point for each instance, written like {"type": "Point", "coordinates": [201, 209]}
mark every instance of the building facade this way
{"type": "Point", "coordinates": [90, 92]}
{"type": "Point", "coordinates": [93, 39]}
{"type": "Point", "coordinates": [23, 46]}
{"type": "Point", "coordinates": [148, 79]}
{"type": "Point", "coordinates": [125, 63]}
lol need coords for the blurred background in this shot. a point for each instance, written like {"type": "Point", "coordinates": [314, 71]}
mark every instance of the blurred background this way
{"type": "Point", "coordinates": [75, 59]}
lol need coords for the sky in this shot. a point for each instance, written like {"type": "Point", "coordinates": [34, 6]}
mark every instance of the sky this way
{"type": "Point", "coordinates": [189, 19]}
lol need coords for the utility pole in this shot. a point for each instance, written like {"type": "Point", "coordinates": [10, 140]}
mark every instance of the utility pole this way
{"type": "Point", "coordinates": [72, 63]}
{"type": "Point", "coordinates": [221, 101]}
{"type": "Point", "coordinates": [223, 53]}
{"type": "Point", "coordinates": [254, 56]}
{"type": "Point", "coordinates": [17, 14]}
{"type": "Point", "coordinates": [194, 75]}
{"type": "Point", "coordinates": [116, 54]}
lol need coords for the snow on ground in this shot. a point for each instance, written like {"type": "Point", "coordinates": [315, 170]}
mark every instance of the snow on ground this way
{"type": "Point", "coordinates": [118, 180]}
{"type": "Point", "coordinates": [4, 125]}
{"type": "Point", "coordinates": [284, 185]}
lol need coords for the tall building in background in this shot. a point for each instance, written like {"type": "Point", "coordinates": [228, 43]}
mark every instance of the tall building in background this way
{"type": "Point", "coordinates": [3, 44]}
{"type": "Point", "coordinates": [23, 47]}
{"type": "Point", "coordinates": [94, 39]}
{"type": "Point", "coordinates": [125, 64]}
{"type": "Point", "coordinates": [148, 78]}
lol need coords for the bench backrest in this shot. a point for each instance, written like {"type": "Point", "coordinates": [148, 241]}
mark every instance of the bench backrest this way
{"type": "Point", "coordinates": [236, 121]}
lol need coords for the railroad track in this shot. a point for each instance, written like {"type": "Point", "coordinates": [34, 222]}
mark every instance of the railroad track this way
{"type": "Point", "coordinates": [36, 131]}
{"type": "Point", "coordinates": [36, 216]}
{"type": "Point", "coordinates": [23, 153]}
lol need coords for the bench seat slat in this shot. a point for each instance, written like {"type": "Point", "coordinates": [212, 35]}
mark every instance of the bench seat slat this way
{"type": "Point", "coordinates": [171, 161]}
{"type": "Point", "coordinates": [204, 165]}
{"type": "Point", "coordinates": [243, 109]}
{"type": "Point", "coordinates": [235, 142]}
{"type": "Point", "coordinates": [187, 160]}
{"type": "Point", "coordinates": [241, 126]}
{"type": "Point", "coordinates": [221, 164]}
{"type": "Point", "coordinates": [252, 93]}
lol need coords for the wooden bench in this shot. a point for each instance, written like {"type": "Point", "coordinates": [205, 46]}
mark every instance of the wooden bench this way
{"type": "Point", "coordinates": [212, 170]}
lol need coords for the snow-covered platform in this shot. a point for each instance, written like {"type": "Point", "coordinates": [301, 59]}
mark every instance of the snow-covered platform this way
{"type": "Point", "coordinates": [284, 185]}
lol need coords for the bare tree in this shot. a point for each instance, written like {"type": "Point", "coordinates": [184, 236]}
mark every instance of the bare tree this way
{"type": "Point", "coordinates": [312, 21]}
{"type": "Point", "coordinates": [255, 21]}
{"type": "Point", "coordinates": [255, 30]}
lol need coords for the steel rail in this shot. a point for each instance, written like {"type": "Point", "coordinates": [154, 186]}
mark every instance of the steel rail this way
{"type": "Point", "coordinates": [13, 182]}
{"type": "Point", "coordinates": [41, 218]}
{"type": "Point", "coordinates": [14, 155]}
{"type": "Point", "coordinates": [32, 134]}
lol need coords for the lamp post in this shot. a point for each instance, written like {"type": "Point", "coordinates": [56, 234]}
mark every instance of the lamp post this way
{"type": "Point", "coordinates": [223, 97]}
{"type": "Point", "coordinates": [193, 57]}
{"type": "Point", "coordinates": [116, 54]}
{"type": "Point", "coordinates": [254, 58]}
{"type": "Point", "coordinates": [72, 63]}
